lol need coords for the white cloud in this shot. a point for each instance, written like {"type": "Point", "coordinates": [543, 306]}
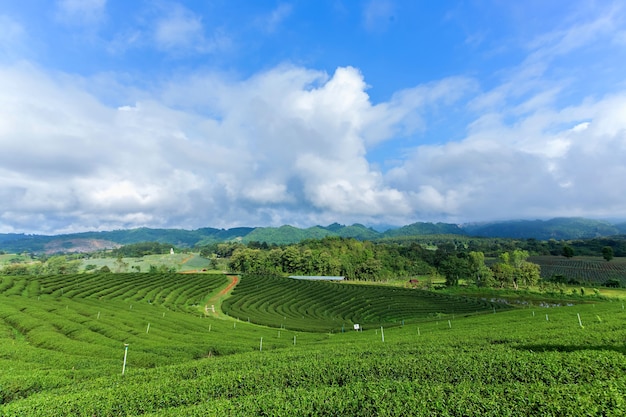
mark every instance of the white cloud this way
{"type": "Point", "coordinates": [294, 145]}
{"type": "Point", "coordinates": [270, 22]}
{"type": "Point", "coordinates": [81, 12]}
{"type": "Point", "coordinates": [286, 141]}
{"type": "Point", "coordinates": [289, 146]}
{"type": "Point", "coordinates": [180, 30]}
{"type": "Point", "coordinates": [377, 14]}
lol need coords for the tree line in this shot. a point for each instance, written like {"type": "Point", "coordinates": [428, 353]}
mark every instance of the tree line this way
{"type": "Point", "coordinates": [368, 261]}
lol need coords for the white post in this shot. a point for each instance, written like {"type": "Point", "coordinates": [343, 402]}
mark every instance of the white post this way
{"type": "Point", "coordinates": [449, 324]}
{"type": "Point", "coordinates": [209, 328]}
{"type": "Point", "coordinates": [294, 340]}
{"type": "Point", "coordinates": [533, 313]}
{"type": "Point", "coordinates": [547, 318]}
{"type": "Point", "coordinates": [418, 331]}
{"type": "Point", "coordinates": [125, 354]}
{"type": "Point", "coordinates": [148, 328]}
{"type": "Point", "coordinates": [579, 321]}
{"type": "Point", "coordinates": [234, 324]}
{"type": "Point", "coordinates": [98, 315]}
{"type": "Point", "coordinates": [261, 345]}
{"type": "Point", "coordinates": [163, 314]}
{"type": "Point", "coordinates": [382, 334]}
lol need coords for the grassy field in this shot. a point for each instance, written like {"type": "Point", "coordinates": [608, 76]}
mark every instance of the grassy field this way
{"type": "Point", "coordinates": [62, 348]}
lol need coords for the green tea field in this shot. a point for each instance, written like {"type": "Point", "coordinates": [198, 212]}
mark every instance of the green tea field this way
{"type": "Point", "coordinates": [288, 348]}
{"type": "Point", "coordinates": [583, 269]}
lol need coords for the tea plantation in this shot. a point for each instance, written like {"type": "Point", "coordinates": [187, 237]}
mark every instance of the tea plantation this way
{"type": "Point", "coordinates": [62, 350]}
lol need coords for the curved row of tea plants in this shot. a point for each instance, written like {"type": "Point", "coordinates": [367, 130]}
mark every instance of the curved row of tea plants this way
{"type": "Point", "coordinates": [183, 292]}
{"type": "Point", "coordinates": [330, 306]}
{"type": "Point", "coordinates": [512, 363]}
{"type": "Point", "coordinates": [52, 338]}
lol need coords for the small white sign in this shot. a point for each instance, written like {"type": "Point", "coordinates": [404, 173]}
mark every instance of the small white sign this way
{"type": "Point", "coordinates": [356, 327]}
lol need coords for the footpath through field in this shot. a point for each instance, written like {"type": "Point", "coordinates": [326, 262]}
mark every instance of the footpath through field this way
{"type": "Point", "coordinates": [213, 304]}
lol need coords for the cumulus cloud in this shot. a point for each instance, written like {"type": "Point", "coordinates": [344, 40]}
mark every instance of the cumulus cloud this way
{"type": "Point", "coordinates": [294, 145]}
{"type": "Point", "coordinates": [289, 140]}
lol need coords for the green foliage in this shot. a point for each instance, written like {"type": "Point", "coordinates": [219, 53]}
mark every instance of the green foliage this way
{"type": "Point", "coordinates": [514, 270]}
{"type": "Point", "coordinates": [607, 253]}
{"type": "Point", "coordinates": [567, 251]}
{"type": "Point", "coordinates": [137, 250]}
{"type": "Point", "coordinates": [454, 268]}
{"type": "Point", "coordinates": [351, 258]}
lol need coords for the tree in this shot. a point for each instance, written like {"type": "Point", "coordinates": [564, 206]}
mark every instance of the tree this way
{"type": "Point", "coordinates": [120, 265]}
{"type": "Point", "coordinates": [529, 274]}
{"type": "Point", "coordinates": [454, 268]}
{"type": "Point", "coordinates": [513, 269]}
{"type": "Point", "coordinates": [567, 251]}
{"type": "Point", "coordinates": [607, 253]}
{"type": "Point", "coordinates": [60, 265]}
{"type": "Point", "coordinates": [480, 273]}
{"type": "Point", "coordinates": [503, 273]}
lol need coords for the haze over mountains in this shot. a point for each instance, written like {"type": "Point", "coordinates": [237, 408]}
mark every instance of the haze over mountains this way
{"type": "Point", "coordinates": [558, 228]}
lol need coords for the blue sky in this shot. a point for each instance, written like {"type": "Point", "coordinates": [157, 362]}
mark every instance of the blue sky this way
{"type": "Point", "coordinates": [118, 114]}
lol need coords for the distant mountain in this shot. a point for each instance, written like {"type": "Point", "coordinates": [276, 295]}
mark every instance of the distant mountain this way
{"type": "Point", "coordinates": [559, 229]}
{"type": "Point", "coordinates": [357, 231]}
{"type": "Point", "coordinates": [418, 229]}
{"type": "Point", "coordinates": [621, 227]}
{"type": "Point", "coordinates": [285, 235]}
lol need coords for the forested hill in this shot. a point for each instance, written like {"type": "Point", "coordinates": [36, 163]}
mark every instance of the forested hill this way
{"type": "Point", "coordinates": [559, 229]}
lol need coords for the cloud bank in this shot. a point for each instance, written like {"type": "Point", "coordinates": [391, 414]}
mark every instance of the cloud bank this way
{"type": "Point", "coordinates": [291, 144]}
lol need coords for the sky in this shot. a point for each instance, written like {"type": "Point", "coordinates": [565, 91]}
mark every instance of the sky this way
{"type": "Point", "coordinates": [117, 114]}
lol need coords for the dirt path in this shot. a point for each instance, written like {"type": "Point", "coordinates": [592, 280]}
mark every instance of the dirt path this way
{"type": "Point", "coordinates": [213, 304]}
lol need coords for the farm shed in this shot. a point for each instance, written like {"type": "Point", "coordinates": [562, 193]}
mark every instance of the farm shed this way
{"type": "Point", "coordinates": [317, 277]}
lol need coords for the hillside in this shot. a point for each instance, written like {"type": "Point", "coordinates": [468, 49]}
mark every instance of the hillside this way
{"type": "Point", "coordinates": [68, 340]}
{"type": "Point", "coordinates": [558, 229]}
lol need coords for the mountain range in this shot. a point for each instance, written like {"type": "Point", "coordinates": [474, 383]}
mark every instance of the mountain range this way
{"type": "Point", "coordinates": [558, 228]}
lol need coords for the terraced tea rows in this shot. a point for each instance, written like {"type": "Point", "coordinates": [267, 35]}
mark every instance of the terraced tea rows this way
{"type": "Point", "coordinates": [59, 330]}
{"type": "Point", "coordinates": [328, 306]}
{"type": "Point", "coordinates": [61, 350]}
{"type": "Point", "coordinates": [173, 291]}
{"type": "Point", "coordinates": [594, 271]}
{"type": "Point", "coordinates": [515, 363]}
